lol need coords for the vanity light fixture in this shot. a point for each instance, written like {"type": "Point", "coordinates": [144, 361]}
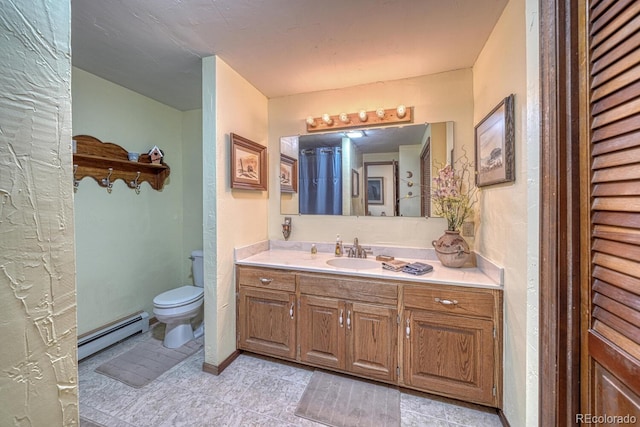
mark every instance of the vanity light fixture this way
{"type": "Point", "coordinates": [362, 118]}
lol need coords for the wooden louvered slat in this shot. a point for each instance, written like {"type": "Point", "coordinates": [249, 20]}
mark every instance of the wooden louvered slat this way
{"type": "Point", "coordinates": [621, 280]}
{"type": "Point", "coordinates": [608, 41]}
{"type": "Point", "coordinates": [623, 204]}
{"type": "Point", "coordinates": [620, 142]}
{"type": "Point", "coordinates": [616, 98]}
{"type": "Point", "coordinates": [627, 298]}
{"type": "Point", "coordinates": [616, 61]}
{"type": "Point", "coordinates": [629, 330]}
{"type": "Point", "coordinates": [627, 188]}
{"type": "Point", "coordinates": [617, 113]}
{"type": "Point", "coordinates": [616, 159]}
{"type": "Point", "coordinates": [628, 345]}
{"type": "Point", "coordinates": [623, 219]}
{"type": "Point", "coordinates": [617, 233]}
{"type": "Point", "coordinates": [600, 7]}
{"type": "Point", "coordinates": [624, 250]}
{"type": "Point", "coordinates": [619, 310]}
{"type": "Point", "coordinates": [622, 173]}
{"type": "Point", "coordinates": [631, 268]}
{"type": "Point", "coordinates": [616, 129]}
{"type": "Point", "coordinates": [613, 21]}
{"type": "Point", "coordinates": [620, 81]}
{"type": "Point", "coordinates": [610, 10]}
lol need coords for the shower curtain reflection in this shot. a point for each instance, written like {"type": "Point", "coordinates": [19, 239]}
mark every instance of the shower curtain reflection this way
{"type": "Point", "coordinates": [320, 180]}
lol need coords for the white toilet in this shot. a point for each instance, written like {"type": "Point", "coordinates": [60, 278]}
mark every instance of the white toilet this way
{"type": "Point", "coordinates": [177, 307]}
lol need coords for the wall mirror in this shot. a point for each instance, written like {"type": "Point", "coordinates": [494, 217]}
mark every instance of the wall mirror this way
{"type": "Point", "coordinates": [377, 172]}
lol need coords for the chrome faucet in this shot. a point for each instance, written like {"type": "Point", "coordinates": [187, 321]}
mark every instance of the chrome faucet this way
{"type": "Point", "coordinates": [357, 251]}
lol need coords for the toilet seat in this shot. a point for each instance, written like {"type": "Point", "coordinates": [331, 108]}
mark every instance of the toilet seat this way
{"type": "Point", "coordinates": [178, 297]}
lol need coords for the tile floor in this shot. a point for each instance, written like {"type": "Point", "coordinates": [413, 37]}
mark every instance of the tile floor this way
{"type": "Point", "coordinates": [252, 391]}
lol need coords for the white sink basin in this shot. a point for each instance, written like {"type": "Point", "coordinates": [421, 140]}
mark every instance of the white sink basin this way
{"type": "Point", "coordinates": [354, 263]}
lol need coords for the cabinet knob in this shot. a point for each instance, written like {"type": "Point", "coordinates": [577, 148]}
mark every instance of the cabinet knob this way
{"type": "Point", "coordinates": [348, 319]}
{"type": "Point", "coordinates": [340, 318]}
{"type": "Point", "coordinates": [265, 281]}
{"type": "Point", "coordinates": [408, 329]}
{"type": "Point", "coordinates": [291, 310]}
{"type": "Point", "coordinates": [446, 301]}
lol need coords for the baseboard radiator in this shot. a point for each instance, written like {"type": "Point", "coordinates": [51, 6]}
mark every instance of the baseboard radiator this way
{"type": "Point", "coordinates": [112, 333]}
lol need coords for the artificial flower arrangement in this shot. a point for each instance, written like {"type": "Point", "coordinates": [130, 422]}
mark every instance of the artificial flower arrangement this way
{"type": "Point", "coordinates": [453, 193]}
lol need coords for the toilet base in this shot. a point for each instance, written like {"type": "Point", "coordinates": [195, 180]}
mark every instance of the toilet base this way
{"type": "Point", "coordinates": [177, 334]}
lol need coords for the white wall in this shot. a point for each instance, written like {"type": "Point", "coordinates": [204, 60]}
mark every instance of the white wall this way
{"type": "Point", "coordinates": [129, 246]}
{"type": "Point", "coordinates": [38, 366]}
{"type": "Point", "coordinates": [232, 218]}
{"type": "Point", "coordinates": [435, 98]}
{"type": "Point", "coordinates": [192, 188]}
{"type": "Point", "coordinates": [507, 232]}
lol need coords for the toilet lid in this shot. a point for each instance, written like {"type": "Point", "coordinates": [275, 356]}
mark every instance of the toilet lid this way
{"type": "Point", "coordinates": [178, 296]}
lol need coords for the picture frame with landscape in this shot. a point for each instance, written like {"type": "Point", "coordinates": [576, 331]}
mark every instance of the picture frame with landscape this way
{"type": "Point", "coordinates": [248, 164]}
{"type": "Point", "coordinates": [494, 145]}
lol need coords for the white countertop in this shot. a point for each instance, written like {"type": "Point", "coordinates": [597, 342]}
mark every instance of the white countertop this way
{"type": "Point", "coordinates": [295, 259]}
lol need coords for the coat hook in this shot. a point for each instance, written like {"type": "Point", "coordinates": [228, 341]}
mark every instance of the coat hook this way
{"type": "Point", "coordinates": [76, 181]}
{"type": "Point", "coordinates": [135, 184]}
{"type": "Point", "coordinates": [107, 181]}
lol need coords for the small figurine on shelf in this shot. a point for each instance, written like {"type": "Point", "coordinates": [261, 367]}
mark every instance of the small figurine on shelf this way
{"type": "Point", "coordinates": [156, 155]}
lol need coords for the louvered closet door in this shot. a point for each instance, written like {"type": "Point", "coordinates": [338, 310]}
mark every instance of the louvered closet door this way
{"type": "Point", "coordinates": [613, 342]}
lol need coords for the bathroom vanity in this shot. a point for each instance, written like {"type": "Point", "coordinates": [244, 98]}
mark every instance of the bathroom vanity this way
{"type": "Point", "coordinates": [440, 333]}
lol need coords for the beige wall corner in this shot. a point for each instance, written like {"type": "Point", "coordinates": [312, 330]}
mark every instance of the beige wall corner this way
{"type": "Point", "coordinates": [508, 227]}
{"type": "Point", "coordinates": [38, 364]}
{"type": "Point", "coordinates": [232, 218]}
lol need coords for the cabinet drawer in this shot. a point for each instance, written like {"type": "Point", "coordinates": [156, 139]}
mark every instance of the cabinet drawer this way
{"type": "Point", "coordinates": [447, 299]}
{"type": "Point", "coordinates": [267, 278]}
{"type": "Point", "coordinates": [349, 288]}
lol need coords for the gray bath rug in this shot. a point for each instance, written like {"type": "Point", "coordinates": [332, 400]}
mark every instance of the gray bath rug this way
{"type": "Point", "coordinates": [146, 361]}
{"type": "Point", "coordinates": [345, 402]}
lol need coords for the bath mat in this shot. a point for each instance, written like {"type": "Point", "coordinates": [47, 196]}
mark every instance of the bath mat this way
{"type": "Point", "coordinates": [146, 361]}
{"type": "Point", "coordinates": [345, 402]}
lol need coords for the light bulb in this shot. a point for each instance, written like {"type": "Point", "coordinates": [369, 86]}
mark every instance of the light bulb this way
{"type": "Point", "coordinates": [363, 115]}
{"type": "Point", "coordinates": [380, 113]}
{"type": "Point", "coordinates": [311, 121]}
{"type": "Point", "coordinates": [344, 118]}
{"type": "Point", "coordinates": [401, 111]}
{"type": "Point", "coordinates": [327, 119]}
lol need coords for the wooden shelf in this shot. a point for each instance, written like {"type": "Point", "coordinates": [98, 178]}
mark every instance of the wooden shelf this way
{"type": "Point", "coordinates": [94, 158]}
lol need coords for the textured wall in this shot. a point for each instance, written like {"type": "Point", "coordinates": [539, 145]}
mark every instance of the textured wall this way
{"type": "Point", "coordinates": [38, 367]}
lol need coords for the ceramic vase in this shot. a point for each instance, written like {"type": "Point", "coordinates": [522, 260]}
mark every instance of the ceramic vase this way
{"type": "Point", "coordinates": [452, 250]}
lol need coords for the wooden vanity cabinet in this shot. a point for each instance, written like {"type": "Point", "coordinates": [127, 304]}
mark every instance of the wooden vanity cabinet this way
{"type": "Point", "coordinates": [266, 315]}
{"type": "Point", "coordinates": [349, 324]}
{"type": "Point", "coordinates": [452, 342]}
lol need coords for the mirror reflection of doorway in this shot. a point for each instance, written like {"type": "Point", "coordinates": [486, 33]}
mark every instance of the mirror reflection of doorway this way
{"type": "Point", "coordinates": [381, 180]}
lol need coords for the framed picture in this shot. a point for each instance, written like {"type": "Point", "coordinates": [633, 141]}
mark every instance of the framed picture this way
{"type": "Point", "coordinates": [375, 190]}
{"type": "Point", "coordinates": [494, 141]}
{"type": "Point", "coordinates": [355, 183]}
{"type": "Point", "coordinates": [248, 164]}
{"type": "Point", "coordinates": [288, 174]}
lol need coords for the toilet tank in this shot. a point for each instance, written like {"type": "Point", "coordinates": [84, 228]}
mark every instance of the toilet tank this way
{"type": "Point", "coordinates": [198, 268]}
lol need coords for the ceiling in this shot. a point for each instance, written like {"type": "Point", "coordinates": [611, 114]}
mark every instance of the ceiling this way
{"type": "Point", "coordinates": [282, 47]}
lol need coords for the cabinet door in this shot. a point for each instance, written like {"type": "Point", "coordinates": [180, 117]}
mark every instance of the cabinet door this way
{"type": "Point", "coordinates": [322, 331]}
{"type": "Point", "coordinates": [267, 322]}
{"type": "Point", "coordinates": [372, 340]}
{"type": "Point", "coordinates": [450, 355]}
